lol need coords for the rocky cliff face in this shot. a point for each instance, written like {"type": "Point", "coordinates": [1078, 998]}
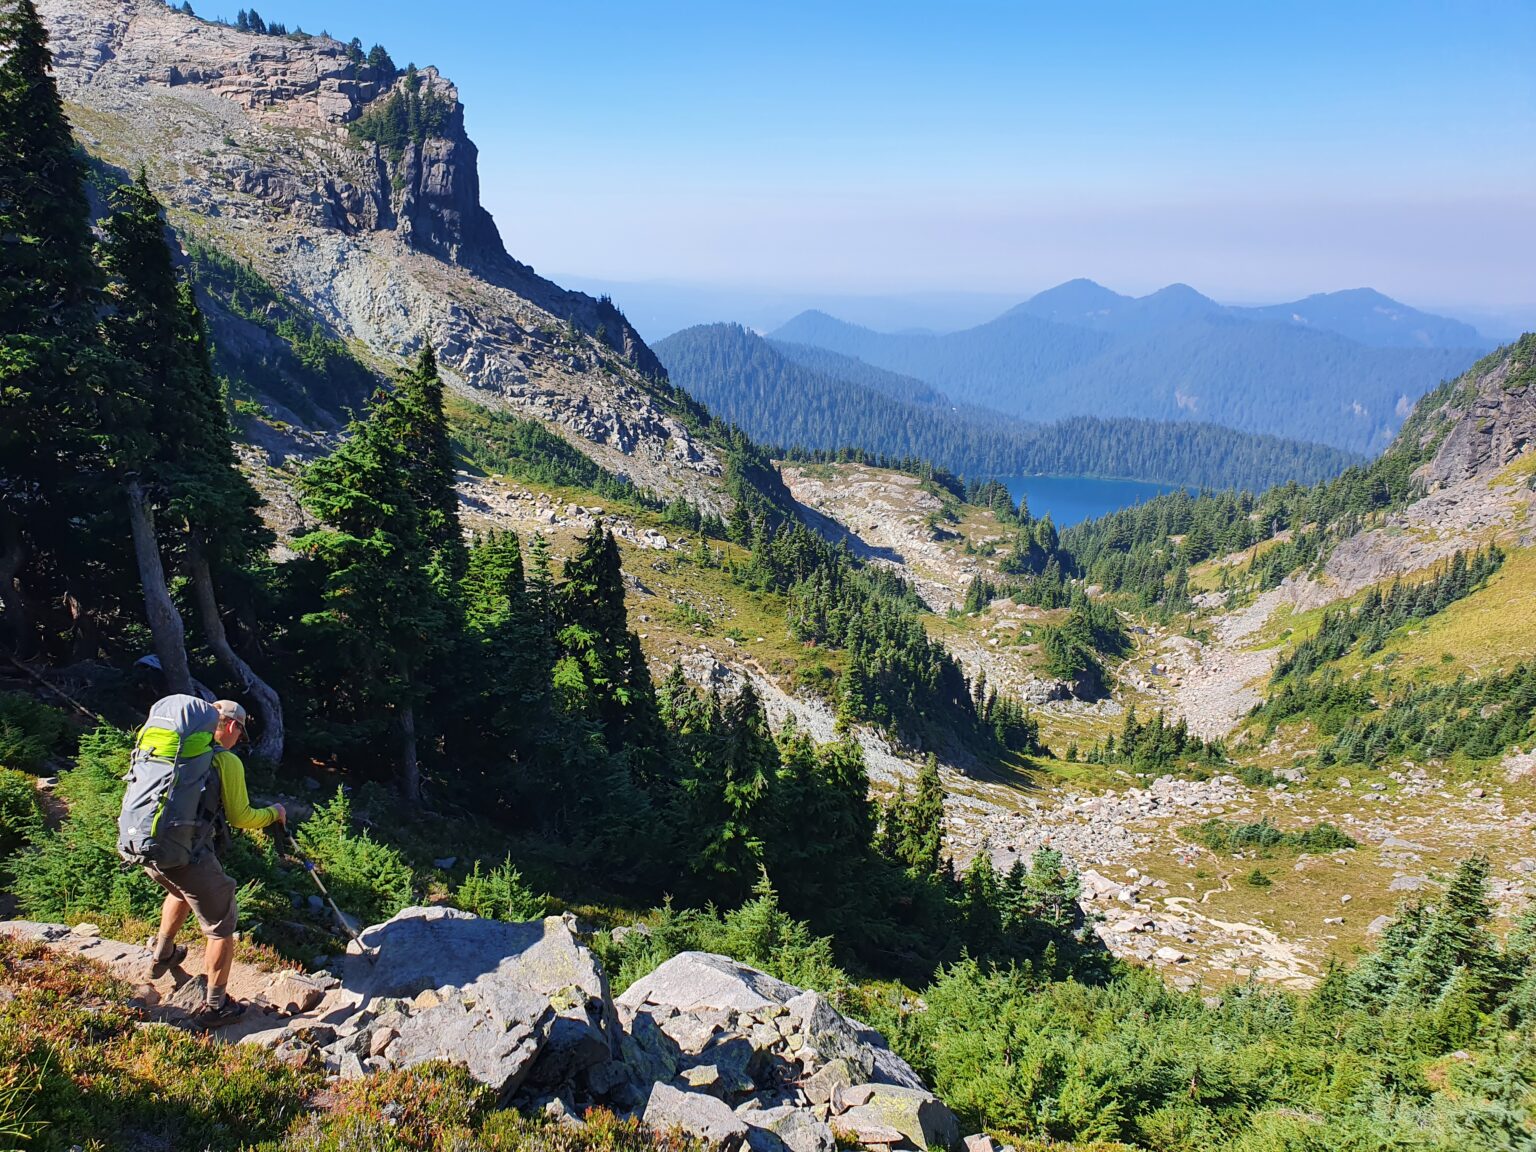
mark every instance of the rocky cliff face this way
{"type": "Point", "coordinates": [1489, 418]}
{"type": "Point", "coordinates": [267, 148]}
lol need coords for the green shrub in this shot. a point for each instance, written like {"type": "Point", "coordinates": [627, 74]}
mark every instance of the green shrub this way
{"type": "Point", "coordinates": [21, 816]}
{"type": "Point", "coordinates": [1257, 879]}
{"type": "Point", "coordinates": [1222, 836]}
{"type": "Point", "coordinates": [1257, 776]}
{"type": "Point", "coordinates": [500, 894]}
{"type": "Point", "coordinates": [73, 870]}
{"type": "Point", "coordinates": [759, 933]}
{"type": "Point", "coordinates": [30, 733]}
{"type": "Point", "coordinates": [368, 879]}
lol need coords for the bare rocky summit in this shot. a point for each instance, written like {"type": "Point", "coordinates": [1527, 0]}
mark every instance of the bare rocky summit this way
{"type": "Point", "coordinates": [249, 140]}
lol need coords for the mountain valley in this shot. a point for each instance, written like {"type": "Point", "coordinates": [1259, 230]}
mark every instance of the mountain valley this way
{"type": "Point", "coordinates": [699, 747]}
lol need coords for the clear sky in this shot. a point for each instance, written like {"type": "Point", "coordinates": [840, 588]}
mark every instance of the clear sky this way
{"type": "Point", "coordinates": [1255, 150]}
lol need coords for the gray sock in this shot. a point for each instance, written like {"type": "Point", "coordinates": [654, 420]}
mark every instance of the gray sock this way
{"type": "Point", "coordinates": [216, 996]}
{"type": "Point", "coordinates": [164, 948]}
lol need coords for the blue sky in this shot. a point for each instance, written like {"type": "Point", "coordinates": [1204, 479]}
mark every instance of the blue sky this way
{"type": "Point", "coordinates": [1257, 151]}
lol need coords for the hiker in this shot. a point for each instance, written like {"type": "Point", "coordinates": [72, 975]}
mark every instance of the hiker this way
{"type": "Point", "coordinates": [185, 790]}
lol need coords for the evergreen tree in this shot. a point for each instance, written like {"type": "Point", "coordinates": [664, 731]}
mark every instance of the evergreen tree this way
{"type": "Point", "coordinates": [980, 901]}
{"type": "Point", "coordinates": [384, 621]}
{"type": "Point", "coordinates": [171, 440]}
{"type": "Point", "coordinates": [50, 371]}
{"type": "Point", "coordinates": [922, 845]}
{"type": "Point", "coordinates": [601, 672]}
{"type": "Point", "coordinates": [506, 667]}
{"type": "Point", "coordinates": [1455, 938]}
{"type": "Point", "coordinates": [146, 329]}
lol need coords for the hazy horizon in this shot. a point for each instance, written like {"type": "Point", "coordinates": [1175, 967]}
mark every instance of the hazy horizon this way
{"type": "Point", "coordinates": [658, 307]}
{"type": "Point", "coordinates": [1257, 154]}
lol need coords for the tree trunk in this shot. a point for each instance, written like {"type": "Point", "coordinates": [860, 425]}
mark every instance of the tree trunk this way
{"type": "Point", "coordinates": [268, 705]}
{"type": "Point", "coordinates": [160, 610]}
{"type": "Point", "coordinates": [87, 639]}
{"type": "Point", "coordinates": [410, 766]}
{"type": "Point", "coordinates": [13, 554]}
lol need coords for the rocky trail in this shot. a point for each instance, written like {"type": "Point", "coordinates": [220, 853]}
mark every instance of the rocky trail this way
{"type": "Point", "coordinates": [720, 1050]}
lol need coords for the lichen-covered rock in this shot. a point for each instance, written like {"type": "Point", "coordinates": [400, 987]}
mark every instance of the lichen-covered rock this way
{"type": "Point", "coordinates": [794, 1128]}
{"type": "Point", "coordinates": [695, 1113]}
{"type": "Point", "coordinates": [698, 981]}
{"type": "Point", "coordinates": [917, 1114]}
{"type": "Point", "coordinates": [499, 1041]}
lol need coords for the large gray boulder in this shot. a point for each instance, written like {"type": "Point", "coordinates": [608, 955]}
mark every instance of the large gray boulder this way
{"type": "Point", "coordinates": [499, 1041]}
{"type": "Point", "coordinates": [533, 981]}
{"type": "Point", "coordinates": [791, 1128]}
{"type": "Point", "coordinates": [701, 999]}
{"type": "Point", "coordinates": [694, 1112]}
{"type": "Point", "coordinates": [835, 1036]}
{"type": "Point", "coordinates": [696, 981]}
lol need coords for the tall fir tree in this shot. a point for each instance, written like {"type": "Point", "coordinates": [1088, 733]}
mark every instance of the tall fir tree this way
{"type": "Point", "coordinates": [386, 615]}
{"type": "Point", "coordinates": [50, 372]}
{"type": "Point", "coordinates": [171, 444]}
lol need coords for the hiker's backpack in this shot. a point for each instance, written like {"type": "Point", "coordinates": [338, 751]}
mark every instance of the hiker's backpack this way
{"type": "Point", "coordinates": [166, 816]}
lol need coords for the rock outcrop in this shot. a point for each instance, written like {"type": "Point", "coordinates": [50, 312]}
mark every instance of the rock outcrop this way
{"type": "Point", "coordinates": [1489, 419]}
{"type": "Point", "coordinates": [723, 1051]}
{"type": "Point", "coordinates": [253, 142]}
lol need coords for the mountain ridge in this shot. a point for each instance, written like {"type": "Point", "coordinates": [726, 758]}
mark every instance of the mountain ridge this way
{"type": "Point", "coordinates": [1081, 349]}
{"type": "Point", "coordinates": [791, 396]}
{"type": "Point", "coordinates": [282, 156]}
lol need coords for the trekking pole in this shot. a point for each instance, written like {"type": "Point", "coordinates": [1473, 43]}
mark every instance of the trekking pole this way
{"type": "Point", "coordinates": [346, 925]}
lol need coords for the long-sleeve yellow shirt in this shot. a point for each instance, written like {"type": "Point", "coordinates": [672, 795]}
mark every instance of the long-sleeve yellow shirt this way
{"type": "Point", "coordinates": [237, 801]}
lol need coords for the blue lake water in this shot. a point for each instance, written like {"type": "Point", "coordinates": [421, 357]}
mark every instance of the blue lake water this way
{"type": "Point", "coordinates": [1072, 499]}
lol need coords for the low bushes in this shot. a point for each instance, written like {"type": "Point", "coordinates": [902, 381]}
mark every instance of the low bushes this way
{"type": "Point", "coordinates": [500, 894]}
{"type": "Point", "coordinates": [30, 733]}
{"type": "Point", "coordinates": [370, 880]}
{"type": "Point", "coordinates": [1225, 837]}
{"type": "Point", "coordinates": [72, 871]}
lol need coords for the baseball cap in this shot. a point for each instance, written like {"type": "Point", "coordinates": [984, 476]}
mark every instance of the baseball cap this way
{"type": "Point", "coordinates": [230, 710]}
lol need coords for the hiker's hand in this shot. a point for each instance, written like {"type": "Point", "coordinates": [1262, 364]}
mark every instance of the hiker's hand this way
{"type": "Point", "coordinates": [282, 814]}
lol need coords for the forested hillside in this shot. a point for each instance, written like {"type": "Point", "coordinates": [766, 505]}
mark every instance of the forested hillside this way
{"type": "Point", "coordinates": [1345, 374]}
{"type": "Point", "coordinates": [801, 397]}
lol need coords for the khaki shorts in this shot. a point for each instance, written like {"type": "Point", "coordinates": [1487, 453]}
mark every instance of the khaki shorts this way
{"type": "Point", "coordinates": [207, 888]}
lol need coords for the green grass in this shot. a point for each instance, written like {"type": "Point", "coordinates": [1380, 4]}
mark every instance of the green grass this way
{"type": "Point", "coordinates": [1492, 628]}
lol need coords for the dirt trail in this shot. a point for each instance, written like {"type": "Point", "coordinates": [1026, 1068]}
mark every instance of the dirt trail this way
{"type": "Point", "coordinates": [277, 999]}
{"type": "Point", "coordinates": [1288, 961]}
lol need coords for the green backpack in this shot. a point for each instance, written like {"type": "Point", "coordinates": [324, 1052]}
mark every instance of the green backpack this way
{"type": "Point", "coordinates": [165, 819]}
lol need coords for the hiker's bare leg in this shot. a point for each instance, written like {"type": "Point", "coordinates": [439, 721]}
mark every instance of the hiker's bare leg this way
{"type": "Point", "coordinates": [173, 914]}
{"type": "Point", "coordinates": [218, 961]}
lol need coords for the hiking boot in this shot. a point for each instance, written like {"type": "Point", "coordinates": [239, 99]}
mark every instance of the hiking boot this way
{"type": "Point", "coordinates": [159, 968]}
{"type": "Point", "coordinates": [207, 1018]}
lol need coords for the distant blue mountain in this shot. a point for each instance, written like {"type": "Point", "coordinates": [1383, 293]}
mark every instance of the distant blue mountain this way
{"type": "Point", "coordinates": [1367, 317]}
{"type": "Point", "coordinates": [1340, 369]}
